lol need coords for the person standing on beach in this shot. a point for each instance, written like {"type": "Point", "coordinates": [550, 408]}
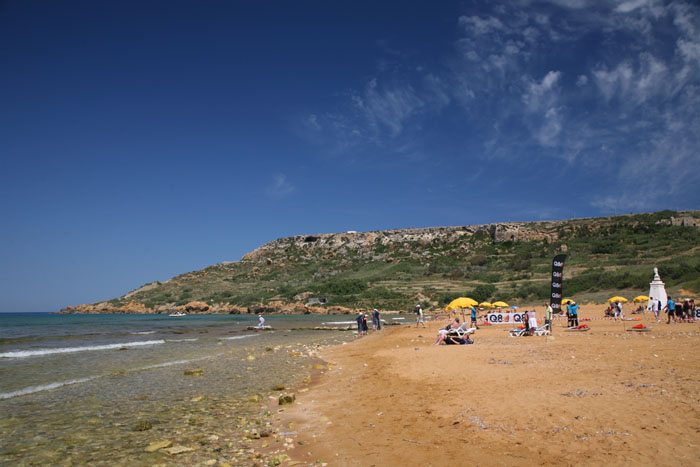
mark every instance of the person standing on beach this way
{"type": "Point", "coordinates": [365, 326]}
{"type": "Point", "coordinates": [359, 324]}
{"type": "Point", "coordinates": [670, 309]}
{"type": "Point", "coordinates": [548, 316]}
{"type": "Point", "coordinates": [473, 318]}
{"type": "Point", "coordinates": [573, 314]}
{"type": "Point", "coordinates": [376, 320]}
{"type": "Point", "coordinates": [261, 321]}
{"type": "Point", "coordinates": [419, 316]}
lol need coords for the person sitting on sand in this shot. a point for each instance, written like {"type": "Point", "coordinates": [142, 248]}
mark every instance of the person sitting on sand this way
{"type": "Point", "coordinates": [454, 324]}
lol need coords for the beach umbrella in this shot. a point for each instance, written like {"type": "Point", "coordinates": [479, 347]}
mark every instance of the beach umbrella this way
{"type": "Point", "coordinates": [566, 301]}
{"type": "Point", "coordinates": [617, 298]}
{"type": "Point", "coordinates": [486, 305]}
{"type": "Point", "coordinates": [460, 303]}
{"type": "Point", "coordinates": [514, 307]}
{"type": "Point", "coordinates": [500, 304]}
{"type": "Point", "coordinates": [641, 298]}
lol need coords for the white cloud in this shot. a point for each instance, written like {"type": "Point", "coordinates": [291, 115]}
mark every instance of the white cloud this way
{"type": "Point", "coordinates": [541, 94]}
{"type": "Point", "coordinates": [388, 108]}
{"type": "Point", "coordinates": [631, 5]}
{"type": "Point", "coordinates": [617, 80]}
{"type": "Point", "coordinates": [280, 187]}
{"type": "Point", "coordinates": [481, 26]}
{"type": "Point", "coordinates": [582, 80]}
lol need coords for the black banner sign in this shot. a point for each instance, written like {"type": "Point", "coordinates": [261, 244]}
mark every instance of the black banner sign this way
{"type": "Point", "coordinates": [557, 283]}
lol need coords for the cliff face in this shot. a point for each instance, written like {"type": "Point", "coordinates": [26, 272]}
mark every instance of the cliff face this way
{"type": "Point", "coordinates": [366, 242]}
{"type": "Point", "coordinates": [394, 269]}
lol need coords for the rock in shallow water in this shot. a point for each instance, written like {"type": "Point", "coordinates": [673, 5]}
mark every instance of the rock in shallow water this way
{"type": "Point", "coordinates": [194, 372]}
{"type": "Point", "coordinates": [156, 445]}
{"type": "Point", "coordinates": [177, 450]}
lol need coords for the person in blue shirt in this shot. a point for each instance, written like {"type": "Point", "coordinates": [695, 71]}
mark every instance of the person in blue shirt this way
{"type": "Point", "coordinates": [670, 309]}
{"type": "Point", "coordinates": [473, 318]}
{"type": "Point", "coordinates": [572, 309]}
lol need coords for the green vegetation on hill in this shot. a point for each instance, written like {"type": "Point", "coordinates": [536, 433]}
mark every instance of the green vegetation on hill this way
{"type": "Point", "coordinates": [394, 269]}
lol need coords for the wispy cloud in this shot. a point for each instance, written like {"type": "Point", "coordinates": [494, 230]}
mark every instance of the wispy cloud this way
{"type": "Point", "coordinates": [280, 187]}
{"type": "Point", "coordinates": [627, 103]}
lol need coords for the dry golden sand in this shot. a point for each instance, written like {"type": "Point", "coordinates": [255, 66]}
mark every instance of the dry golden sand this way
{"type": "Point", "coordinates": [603, 396]}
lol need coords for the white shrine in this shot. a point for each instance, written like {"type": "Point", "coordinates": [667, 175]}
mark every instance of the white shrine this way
{"type": "Point", "coordinates": [657, 291]}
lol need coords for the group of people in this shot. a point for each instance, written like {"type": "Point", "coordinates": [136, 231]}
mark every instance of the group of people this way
{"type": "Point", "coordinates": [678, 312]}
{"type": "Point", "coordinates": [363, 326]}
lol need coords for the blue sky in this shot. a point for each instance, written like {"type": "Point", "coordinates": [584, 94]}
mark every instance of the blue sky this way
{"type": "Point", "coordinates": [140, 140]}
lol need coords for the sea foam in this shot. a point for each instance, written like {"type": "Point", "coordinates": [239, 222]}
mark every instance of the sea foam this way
{"type": "Point", "coordinates": [44, 387]}
{"type": "Point", "coordinates": [237, 337]}
{"type": "Point", "coordinates": [39, 352]}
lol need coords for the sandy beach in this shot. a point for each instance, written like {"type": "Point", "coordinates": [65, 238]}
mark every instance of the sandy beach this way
{"type": "Point", "coordinates": [604, 396]}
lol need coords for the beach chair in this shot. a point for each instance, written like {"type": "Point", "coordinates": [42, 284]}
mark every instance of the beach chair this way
{"type": "Point", "coordinates": [459, 331]}
{"type": "Point", "coordinates": [464, 331]}
{"type": "Point", "coordinates": [542, 330]}
{"type": "Point", "coordinates": [517, 332]}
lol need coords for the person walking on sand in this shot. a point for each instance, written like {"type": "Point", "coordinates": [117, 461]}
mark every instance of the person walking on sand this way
{"type": "Point", "coordinates": [419, 316]}
{"type": "Point", "coordinates": [473, 318]}
{"type": "Point", "coordinates": [670, 309]}
{"type": "Point", "coordinates": [655, 308]}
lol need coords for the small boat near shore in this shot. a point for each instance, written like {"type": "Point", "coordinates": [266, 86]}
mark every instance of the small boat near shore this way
{"type": "Point", "coordinates": [178, 314]}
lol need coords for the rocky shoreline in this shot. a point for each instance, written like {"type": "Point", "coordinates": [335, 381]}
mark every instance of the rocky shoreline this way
{"type": "Point", "coordinates": [197, 307]}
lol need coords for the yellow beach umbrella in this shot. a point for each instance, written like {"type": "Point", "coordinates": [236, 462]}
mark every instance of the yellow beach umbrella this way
{"type": "Point", "coordinates": [617, 298]}
{"type": "Point", "coordinates": [567, 301]}
{"type": "Point", "coordinates": [461, 302]}
{"type": "Point", "coordinates": [641, 298]}
{"type": "Point", "coordinates": [486, 305]}
{"type": "Point", "coordinates": [500, 304]}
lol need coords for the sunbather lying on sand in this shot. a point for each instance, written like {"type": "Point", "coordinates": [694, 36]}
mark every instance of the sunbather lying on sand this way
{"type": "Point", "coordinates": [452, 340]}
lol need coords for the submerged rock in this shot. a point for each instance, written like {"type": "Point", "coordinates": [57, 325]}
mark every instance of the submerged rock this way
{"type": "Point", "coordinates": [177, 450]}
{"type": "Point", "coordinates": [143, 425]}
{"type": "Point", "coordinates": [194, 372]}
{"type": "Point", "coordinates": [156, 445]}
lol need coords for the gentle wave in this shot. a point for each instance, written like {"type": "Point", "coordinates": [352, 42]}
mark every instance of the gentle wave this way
{"type": "Point", "coordinates": [238, 337]}
{"type": "Point", "coordinates": [47, 387]}
{"type": "Point", "coordinates": [44, 387]}
{"type": "Point", "coordinates": [143, 332]}
{"type": "Point", "coordinates": [330, 323]}
{"type": "Point", "coordinates": [38, 352]}
{"type": "Point", "coordinates": [181, 340]}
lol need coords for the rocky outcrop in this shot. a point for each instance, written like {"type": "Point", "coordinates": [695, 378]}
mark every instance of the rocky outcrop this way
{"type": "Point", "coordinates": [296, 308]}
{"type": "Point", "coordinates": [106, 307]}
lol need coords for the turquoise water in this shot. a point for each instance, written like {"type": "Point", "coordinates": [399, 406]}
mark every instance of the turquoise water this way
{"type": "Point", "coordinates": [72, 387]}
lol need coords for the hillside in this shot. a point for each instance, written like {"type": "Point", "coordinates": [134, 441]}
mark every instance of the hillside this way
{"type": "Point", "coordinates": [393, 269]}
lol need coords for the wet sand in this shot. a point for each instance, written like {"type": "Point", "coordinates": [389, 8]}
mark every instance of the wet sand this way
{"type": "Point", "coordinates": [603, 396]}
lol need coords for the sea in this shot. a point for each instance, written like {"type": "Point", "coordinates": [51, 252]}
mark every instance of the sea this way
{"type": "Point", "coordinates": [99, 389]}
